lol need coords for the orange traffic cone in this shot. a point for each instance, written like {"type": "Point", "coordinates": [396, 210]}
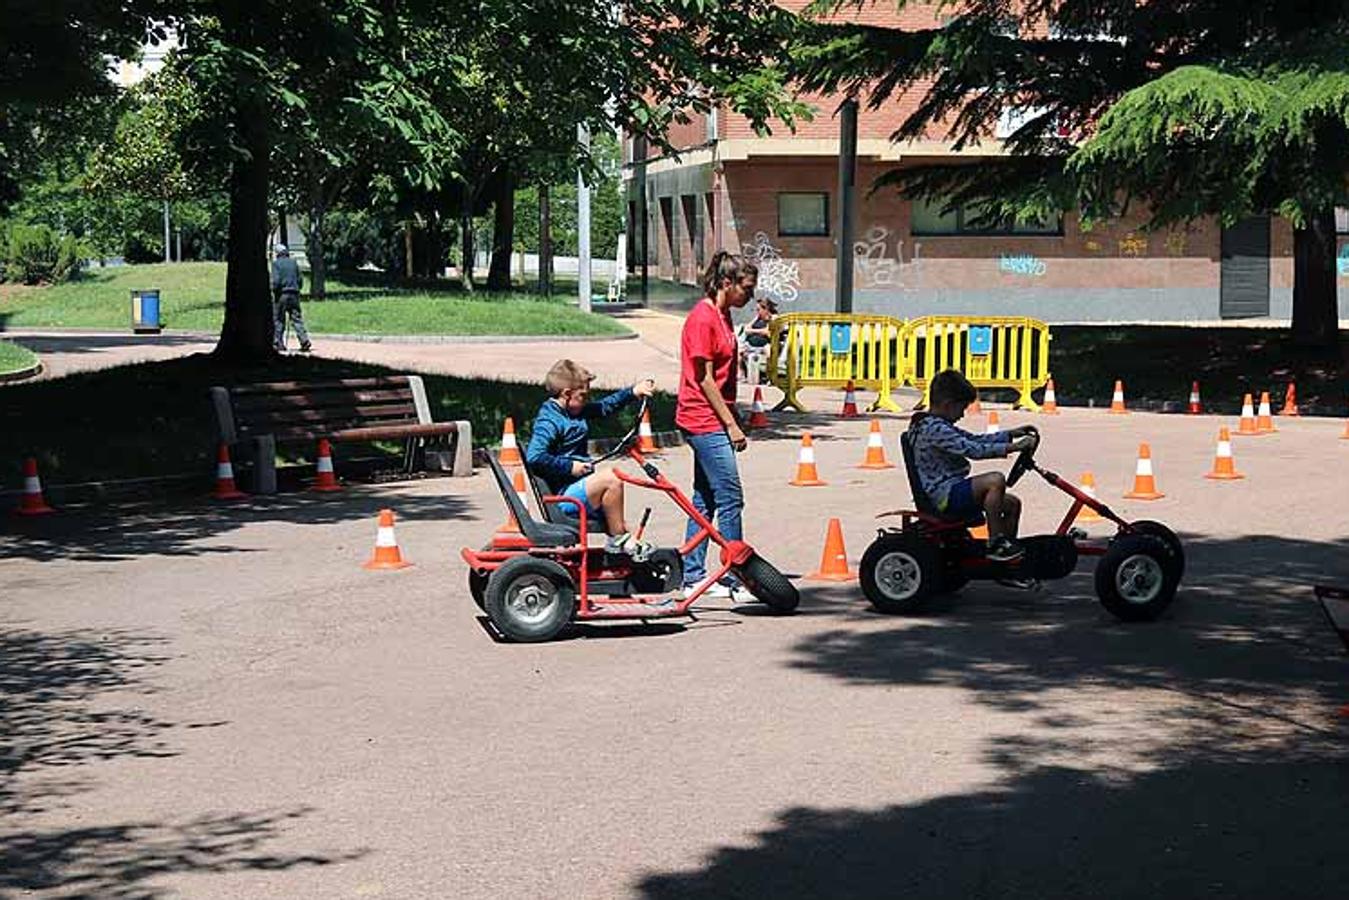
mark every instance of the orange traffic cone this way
{"type": "Point", "coordinates": [806, 474]}
{"type": "Point", "coordinates": [386, 555]}
{"type": "Point", "coordinates": [875, 458]}
{"type": "Point", "coordinates": [975, 408]}
{"type": "Point", "coordinates": [1224, 467]}
{"type": "Point", "coordinates": [993, 427]}
{"type": "Point", "coordinates": [1345, 436]}
{"type": "Point", "coordinates": [224, 476]}
{"type": "Point", "coordinates": [646, 441]}
{"type": "Point", "coordinates": [980, 532]}
{"type": "Point", "coordinates": [1196, 408]}
{"type": "Point", "coordinates": [518, 483]}
{"type": "Point", "coordinates": [1087, 484]}
{"type": "Point", "coordinates": [1290, 401]}
{"type": "Point", "coordinates": [834, 561]}
{"type": "Point", "coordinates": [757, 417]}
{"type": "Point", "coordinates": [1247, 425]}
{"type": "Point", "coordinates": [849, 402]}
{"type": "Point", "coordinates": [327, 478]}
{"type": "Point", "coordinates": [1145, 485]}
{"type": "Point", "coordinates": [1051, 405]}
{"type": "Point", "coordinates": [31, 502]}
{"type": "Point", "coordinates": [1117, 400]}
{"type": "Point", "coordinates": [1264, 419]}
{"type": "Point", "coordinates": [510, 451]}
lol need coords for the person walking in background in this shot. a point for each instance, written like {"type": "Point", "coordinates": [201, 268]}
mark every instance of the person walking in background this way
{"type": "Point", "coordinates": [286, 284]}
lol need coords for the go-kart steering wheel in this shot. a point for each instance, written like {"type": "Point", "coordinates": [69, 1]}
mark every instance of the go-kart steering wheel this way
{"type": "Point", "coordinates": [1025, 460]}
{"type": "Point", "coordinates": [622, 446]}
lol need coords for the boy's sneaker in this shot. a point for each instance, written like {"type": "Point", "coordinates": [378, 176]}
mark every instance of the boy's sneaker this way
{"type": "Point", "coordinates": [306, 347]}
{"type": "Point", "coordinates": [1002, 549]}
{"type": "Point", "coordinates": [736, 593]}
{"type": "Point", "coordinates": [627, 545]}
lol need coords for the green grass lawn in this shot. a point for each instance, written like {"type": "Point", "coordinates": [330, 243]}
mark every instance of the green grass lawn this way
{"type": "Point", "coordinates": [14, 358]}
{"type": "Point", "coordinates": [192, 298]}
{"type": "Point", "coordinates": [156, 418]}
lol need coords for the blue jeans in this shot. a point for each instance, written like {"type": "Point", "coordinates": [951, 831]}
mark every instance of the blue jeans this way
{"type": "Point", "coordinates": [716, 494]}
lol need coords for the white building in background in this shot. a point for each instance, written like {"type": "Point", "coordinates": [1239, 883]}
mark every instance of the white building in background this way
{"type": "Point", "coordinates": [126, 72]}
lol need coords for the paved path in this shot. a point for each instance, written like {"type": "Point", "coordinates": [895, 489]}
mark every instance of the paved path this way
{"type": "Point", "coordinates": [655, 351]}
{"type": "Point", "coordinates": [216, 701]}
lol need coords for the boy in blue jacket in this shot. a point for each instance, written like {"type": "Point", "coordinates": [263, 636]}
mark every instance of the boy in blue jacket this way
{"type": "Point", "coordinates": [557, 450]}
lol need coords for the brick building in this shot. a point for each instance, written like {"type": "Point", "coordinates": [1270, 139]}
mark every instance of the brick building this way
{"type": "Point", "coordinates": [776, 197]}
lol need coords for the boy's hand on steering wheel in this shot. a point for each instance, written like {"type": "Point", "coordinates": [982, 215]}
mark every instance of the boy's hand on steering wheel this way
{"type": "Point", "coordinates": [580, 469]}
{"type": "Point", "coordinates": [644, 388]}
{"type": "Point", "coordinates": [1024, 442]}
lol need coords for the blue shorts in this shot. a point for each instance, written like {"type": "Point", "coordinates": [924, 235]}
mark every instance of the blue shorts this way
{"type": "Point", "coordinates": [577, 490]}
{"type": "Point", "coordinates": [960, 501]}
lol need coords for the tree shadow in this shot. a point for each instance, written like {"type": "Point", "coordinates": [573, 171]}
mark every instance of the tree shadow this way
{"type": "Point", "coordinates": [117, 861]}
{"type": "Point", "coordinates": [185, 529]}
{"type": "Point", "coordinates": [1194, 756]}
{"type": "Point", "coordinates": [1231, 829]}
{"type": "Point", "coordinates": [68, 701]}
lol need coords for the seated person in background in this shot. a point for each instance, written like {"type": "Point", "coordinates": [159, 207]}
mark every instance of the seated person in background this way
{"type": "Point", "coordinates": [757, 335]}
{"type": "Point", "coordinates": [941, 455]}
{"type": "Point", "coordinates": [558, 453]}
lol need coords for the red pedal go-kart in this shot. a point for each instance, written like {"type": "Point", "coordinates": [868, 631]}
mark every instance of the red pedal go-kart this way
{"type": "Point", "coordinates": [1136, 576]}
{"type": "Point", "coordinates": [534, 584]}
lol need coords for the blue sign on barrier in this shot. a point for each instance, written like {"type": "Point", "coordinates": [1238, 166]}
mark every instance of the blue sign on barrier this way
{"type": "Point", "coordinates": [840, 337]}
{"type": "Point", "coordinates": [981, 340]}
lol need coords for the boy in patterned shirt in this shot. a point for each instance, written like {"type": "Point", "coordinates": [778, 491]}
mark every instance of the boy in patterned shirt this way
{"type": "Point", "coordinates": [941, 455]}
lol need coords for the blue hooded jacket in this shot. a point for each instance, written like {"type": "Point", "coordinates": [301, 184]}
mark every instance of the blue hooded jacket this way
{"type": "Point", "coordinates": [560, 439]}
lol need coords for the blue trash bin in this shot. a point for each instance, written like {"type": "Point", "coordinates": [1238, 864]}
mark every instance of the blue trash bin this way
{"type": "Point", "coordinates": [145, 312]}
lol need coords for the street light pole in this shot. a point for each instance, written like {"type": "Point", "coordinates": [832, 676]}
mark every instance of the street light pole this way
{"type": "Point", "coordinates": [583, 225]}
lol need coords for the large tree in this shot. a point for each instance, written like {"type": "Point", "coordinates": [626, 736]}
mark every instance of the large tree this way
{"type": "Point", "coordinates": [1224, 108]}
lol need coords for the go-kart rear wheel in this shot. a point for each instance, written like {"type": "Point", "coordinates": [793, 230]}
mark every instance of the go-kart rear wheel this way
{"type": "Point", "coordinates": [530, 599]}
{"type": "Point", "coordinates": [1136, 579]}
{"type": "Point", "coordinates": [769, 585]}
{"type": "Point", "coordinates": [1173, 544]}
{"type": "Point", "coordinates": [477, 586]}
{"type": "Point", "coordinates": [899, 572]}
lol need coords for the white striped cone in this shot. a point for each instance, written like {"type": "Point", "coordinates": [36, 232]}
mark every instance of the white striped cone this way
{"type": "Point", "coordinates": [32, 502]}
{"type": "Point", "coordinates": [386, 555]}
{"type": "Point", "coordinates": [1145, 484]}
{"type": "Point", "coordinates": [225, 488]}
{"type": "Point", "coordinates": [993, 426]}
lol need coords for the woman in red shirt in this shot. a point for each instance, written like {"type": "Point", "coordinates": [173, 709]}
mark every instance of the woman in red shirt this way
{"type": "Point", "coordinates": [705, 410]}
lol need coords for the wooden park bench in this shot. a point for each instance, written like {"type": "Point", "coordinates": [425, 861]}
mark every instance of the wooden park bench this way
{"type": "Point", "coordinates": [259, 417]}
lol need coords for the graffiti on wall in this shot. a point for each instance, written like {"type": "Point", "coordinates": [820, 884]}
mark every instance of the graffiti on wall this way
{"type": "Point", "coordinates": [779, 279]}
{"type": "Point", "coordinates": [878, 269]}
{"type": "Point", "coordinates": [1133, 244]}
{"type": "Point", "coordinates": [1092, 246]}
{"type": "Point", "coordinates": [1022, 264]}
{"type": "Point", "coordinates": [1176, 243]}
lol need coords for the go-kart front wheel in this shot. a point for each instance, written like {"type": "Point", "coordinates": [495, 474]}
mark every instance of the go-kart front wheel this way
{"type": "Point", "coordinates": [477, 586]}
{"type": "Point", "coordinates": [769, 585]}
{"type": "Point", "coordinates": [899, 572]}
{"type": "Point", "coordinates": [1137, 577]}
{"type": "Point", "coordinates": [530, 599]}
{"type": "Point", "coordinates": [1168, 537]}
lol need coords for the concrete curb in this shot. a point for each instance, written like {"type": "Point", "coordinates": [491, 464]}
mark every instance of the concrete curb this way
{"type": "Point", "coordinates": [43, 331]}
{"type": "Point", "coordinates": [21, 375]}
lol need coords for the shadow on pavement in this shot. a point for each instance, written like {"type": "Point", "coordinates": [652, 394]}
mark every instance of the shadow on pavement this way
{"type": "Point", "coordinates": [1195, 756]}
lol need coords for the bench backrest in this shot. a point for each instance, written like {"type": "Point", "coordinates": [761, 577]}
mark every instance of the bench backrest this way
{"type": "Point", "coordinates": [298, 410]}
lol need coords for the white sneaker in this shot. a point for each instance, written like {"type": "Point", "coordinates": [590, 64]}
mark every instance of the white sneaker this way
{"type": "Point", "coordinates": [719, 591]}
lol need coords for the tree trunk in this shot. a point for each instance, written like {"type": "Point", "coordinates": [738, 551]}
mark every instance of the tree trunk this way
{"type": "Point", "coordinates": [503, 235]}
{"type": "Point", "coordinates": [545, 242]}
{"type": "Point", "coordinates": [318, 269]}
{"type": "Point", "coordinates": [409, 269]}
{"type": "Point", "coordinates": [466, 244]}
{"type": "Point", "coordinates": [246, 335]}
{"type": "Point", "coordinates": [1315, 300]}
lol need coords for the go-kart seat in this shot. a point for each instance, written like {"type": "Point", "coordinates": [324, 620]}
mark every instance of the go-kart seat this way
{"type": "Point", "coordinates": [540, 534]}
{"type": "Point", "coordinates": [920, 498]}
{"type": "Point", "coordinates": [552, 512]}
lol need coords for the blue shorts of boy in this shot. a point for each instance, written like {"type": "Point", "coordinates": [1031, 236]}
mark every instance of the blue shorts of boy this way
{"type": "Point", "coordinates": [577, 490]}
{"type": "Point", "coordinates": [960, 501]}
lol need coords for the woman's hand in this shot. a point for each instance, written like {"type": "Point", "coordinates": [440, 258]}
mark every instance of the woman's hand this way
{"type": "Point", "coordinates": [738, 440]}
{"type": "Point", "coordinates": [644, 388]}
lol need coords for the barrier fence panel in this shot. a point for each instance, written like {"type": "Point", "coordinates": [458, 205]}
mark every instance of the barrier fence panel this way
{"type": "Point", "coordinates": [992, 352]}
{"type": "Point", "coordinates": [823, 350]}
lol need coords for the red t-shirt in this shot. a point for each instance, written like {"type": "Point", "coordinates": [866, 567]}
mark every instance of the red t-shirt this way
{"type": "Point", "coordinates": [708, 334]}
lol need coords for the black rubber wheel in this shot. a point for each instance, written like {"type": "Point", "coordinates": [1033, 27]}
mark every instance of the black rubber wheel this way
{"type": "Point", "coordinates": [769, 585]}
{"type": "Point", "coordinates": [953, 578]}
{"type": "Point", "coordinates": [1173, 544]}
{"type": "Point", "coordinates": [899, 572]}
{"type": "Point", "coordinates": [530, 599]}
{"type": "Point", "coordinates": [1136, 579]}
{"type": "Point", "coordinates": [477, 586]}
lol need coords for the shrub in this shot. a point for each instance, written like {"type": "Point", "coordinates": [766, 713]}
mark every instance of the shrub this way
{"type": "Point", "coordinates": [36, 255]}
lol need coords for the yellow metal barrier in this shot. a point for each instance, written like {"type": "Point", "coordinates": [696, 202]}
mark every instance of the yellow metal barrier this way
{"type": "Point", "coordinates": [992, 352]}
{"type": "Point", "coordinates": [824, 350]}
